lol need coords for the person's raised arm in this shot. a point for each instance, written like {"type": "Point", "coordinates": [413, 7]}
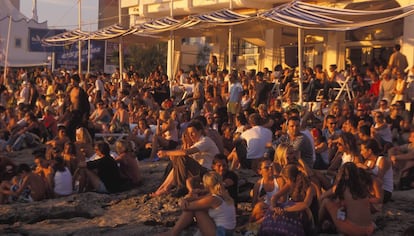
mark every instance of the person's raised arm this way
{"type": "Point", "coordinates": [178, 152]}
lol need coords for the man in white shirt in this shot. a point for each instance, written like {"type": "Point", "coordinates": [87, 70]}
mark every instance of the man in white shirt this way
{"type": "Point", "coordinates": [257, 138]}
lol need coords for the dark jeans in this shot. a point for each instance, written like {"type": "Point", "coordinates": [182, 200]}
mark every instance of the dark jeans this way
{"type": "Point", "coordinates": [185, 167]}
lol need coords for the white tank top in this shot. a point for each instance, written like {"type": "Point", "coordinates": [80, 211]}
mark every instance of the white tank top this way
{"type": "Point", "coordinates": [223, 215]}
{"type": "Point", "coordinates": [388, 181]}
{"type": "Point", "coordinates": [269, 195]}
{"type": "Point", "coordinates": [63, 182]}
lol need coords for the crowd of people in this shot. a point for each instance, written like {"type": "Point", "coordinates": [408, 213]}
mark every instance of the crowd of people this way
{"type": "Point", "coordinates": [325, 166]}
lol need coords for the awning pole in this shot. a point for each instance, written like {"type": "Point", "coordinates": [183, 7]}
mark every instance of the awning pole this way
{"type": "Point", "coordinates": [121, 54]}
{"type": "Point", "coordinates": [300, 60]}
{"type": "Point", "coordinates": [170, 53]}
{"type": "Point", "coordinates": [89, 56]}
{"type": "Point", "coordinates": [6, 57]}
{"type": "Point", "coordinates": [230, 41]}
{"type": "Point", "coordinates": [80, 42]}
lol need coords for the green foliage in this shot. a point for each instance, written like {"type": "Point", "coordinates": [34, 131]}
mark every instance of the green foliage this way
{"type": "Point", "coordinates": [146, 58]}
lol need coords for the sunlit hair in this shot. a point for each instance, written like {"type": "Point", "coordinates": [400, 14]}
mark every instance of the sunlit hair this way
{"type": "Point", "coordinates": [213, 182]}
{"type": "Point", "coordinates": [300, 181]}
{"type": "Point", "coordinates": [280, 156]}
{"type": "Point", "coordinates": [348, 177]}
{"type": "Point", "coordinates": [69, 148]}
{"type": "Point", "coordinates": [122, 146]}
{"type": "Point", "coordinates": [350, 143]}
{"type": "Point", "coordinates": [83, 136]}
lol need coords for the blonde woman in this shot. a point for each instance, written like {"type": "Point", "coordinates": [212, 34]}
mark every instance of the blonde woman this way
{"type": "Point", "coordinates": [215, 212]}
{"type": "Point", "coordinates": [83, 142]}
{"type": "Point", "coordinates": [128, 163]}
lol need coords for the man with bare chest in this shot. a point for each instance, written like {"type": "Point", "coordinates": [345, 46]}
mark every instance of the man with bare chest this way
{"type": "Point", "coordinates": [78, 107]}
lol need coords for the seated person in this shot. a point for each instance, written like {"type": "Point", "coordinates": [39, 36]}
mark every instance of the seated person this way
{"type": "Point", "coordinates": [230, 179]}
{"type": "Point", "coordinates": [61, 182]}
{"type": "Point", "coordinates": [402, 158]}
{"type": "Point", "coordinates": [7, 168]}
{"type": "Point", "coordinates": [27, 187]}
{"type": "Point", "coordinates": [168, 182]}
{"type": "Point", "coordinates": [347, 206]}
{"type": "Point", "coordinates": [264, 189]}
{"type": "Point", "coordinates": [215, 212]}
{"type": "Point", "coordinates": [101, 117]}
{"type": "Point", "coordinates": [128, 163]}
{"type": "Point", "coordinates": [141, 135]}
{"type": "Point", "coordinates": [103, 174]}
{"type": "Point", "coordinates": [194, 161]}
{"type": "Point", "coordinates": [166, 135]}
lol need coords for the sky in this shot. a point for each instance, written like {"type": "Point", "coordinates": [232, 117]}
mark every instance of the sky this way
{"type": "Point", "coordinates": [63, 14]}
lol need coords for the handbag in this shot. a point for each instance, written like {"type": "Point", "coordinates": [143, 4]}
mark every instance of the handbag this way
{"type": "Point", "coordinates": [279, 222]}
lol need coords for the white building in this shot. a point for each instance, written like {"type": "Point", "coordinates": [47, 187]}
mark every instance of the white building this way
{"type": "Point", "coordinates": [18, 53]}
{"type": "Point", "coordinates": [256, 46]}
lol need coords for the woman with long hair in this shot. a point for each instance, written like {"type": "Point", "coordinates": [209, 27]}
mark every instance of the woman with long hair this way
{"type": "Point", "coordinates": [348, 207]}
{"type": "Point", "coordinates": [293, 215]}
{"type": "Point", "coordinates": [215, 212]}
{"type": "Point", "coordinates": [264, 189]}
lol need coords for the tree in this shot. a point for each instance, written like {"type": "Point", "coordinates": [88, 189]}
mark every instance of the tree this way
{"type": "Point", "coordinates": [146, 58]}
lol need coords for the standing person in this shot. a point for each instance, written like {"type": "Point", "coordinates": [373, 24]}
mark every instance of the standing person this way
{"type": "Point", "coordinates": [400, 87]}
{"type": "Point", "coordinates": [198, 96]}
{"type": "Point", "coordinates": [215, 212]}
{"type": "Point", "coordinates": [235, 95]}
{"type": "Point", "coordinates": [397, 59]}
{"type": "Point", "coordinates": [79, 107]}
{"type": "Point", "coordinates": [387, 86]}
{"type": "Point", "coordinates": [212, 66]}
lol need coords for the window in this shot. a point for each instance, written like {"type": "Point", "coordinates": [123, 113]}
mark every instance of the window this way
{"type": "Point", "coordinates": [18, 43]}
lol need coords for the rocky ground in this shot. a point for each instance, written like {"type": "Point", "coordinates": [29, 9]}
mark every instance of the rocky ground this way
{"type": "Point", "coordinates": [136, 213]}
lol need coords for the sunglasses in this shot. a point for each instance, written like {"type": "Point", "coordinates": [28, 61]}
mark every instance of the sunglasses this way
{"type": "Point", "coordinates": [267, 167]}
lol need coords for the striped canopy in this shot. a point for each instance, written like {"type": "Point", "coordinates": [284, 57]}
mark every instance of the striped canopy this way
{"type": "Point", "coordinates": [296, 14]}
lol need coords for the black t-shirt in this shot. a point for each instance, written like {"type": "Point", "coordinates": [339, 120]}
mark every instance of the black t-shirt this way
{"type": "Point", "coordinates": [395, 123]}
{"type": "Point", "coordinates": [233, 189]}
{"type": "Point", "coordinates": [108, 172]}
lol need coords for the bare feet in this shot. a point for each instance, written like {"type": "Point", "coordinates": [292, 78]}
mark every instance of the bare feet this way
{"type": "Point", "coordinates": [160, 192]}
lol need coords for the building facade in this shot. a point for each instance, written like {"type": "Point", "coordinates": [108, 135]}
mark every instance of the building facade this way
{"type": "Point", "coordinates": [19, 53]}
{"type": "Point", "coordinates": [260, 45]}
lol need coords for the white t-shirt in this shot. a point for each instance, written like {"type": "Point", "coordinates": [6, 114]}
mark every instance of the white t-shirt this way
{"type": "Point", "coordinates": [256, 137]}
{"type": "Point", "coordinates": [207, 150]}
{"type": "Point", "coordinates": [63, 182]}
